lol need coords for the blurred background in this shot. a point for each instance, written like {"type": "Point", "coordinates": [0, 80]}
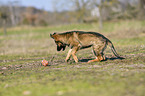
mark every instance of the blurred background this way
{"type": "Point", "coordinates": [54, 12]}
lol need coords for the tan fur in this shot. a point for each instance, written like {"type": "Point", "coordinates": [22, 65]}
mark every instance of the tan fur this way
{"type": "Point", "coordinates": [79, 40]}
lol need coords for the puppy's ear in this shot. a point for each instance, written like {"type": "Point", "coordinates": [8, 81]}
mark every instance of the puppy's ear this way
{"type": "Point", "coordinates": [51, 36]}
{"type": "Point", "coordinates": [54, 33]}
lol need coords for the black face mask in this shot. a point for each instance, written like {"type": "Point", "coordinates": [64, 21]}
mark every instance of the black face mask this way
{"type": "Point", "coordinates": [61, 47]}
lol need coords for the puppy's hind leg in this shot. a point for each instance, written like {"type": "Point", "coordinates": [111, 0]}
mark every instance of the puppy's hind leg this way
{"type": "Point", "coordinates": [102, 50]}
{"type": "Point", "coordinates": [96, 54]}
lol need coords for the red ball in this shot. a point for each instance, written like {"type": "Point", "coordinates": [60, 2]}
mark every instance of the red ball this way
{"type": "Point", "coordinates": [44, 62]}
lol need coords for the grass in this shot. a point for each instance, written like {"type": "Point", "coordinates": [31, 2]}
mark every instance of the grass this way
{"type": "Point", "coordinates": [22, 50]}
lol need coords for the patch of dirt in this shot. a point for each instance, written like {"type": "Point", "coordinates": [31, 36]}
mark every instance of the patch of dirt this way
{"type": "Point", "coordinates": [135, 66]}
{"type": "Point", "coordinates": [130, 61]}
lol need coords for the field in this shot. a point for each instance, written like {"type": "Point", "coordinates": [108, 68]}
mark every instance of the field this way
{"type": "Point", "coordinates": [23, 49]}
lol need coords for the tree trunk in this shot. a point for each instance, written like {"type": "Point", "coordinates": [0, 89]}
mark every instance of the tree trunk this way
{"type": "Point", "coordinates": [142, 9]}
{"type": "Point", "coordinates": [5, 27]}
{"type": "Point", "coordinates": [100, 19]}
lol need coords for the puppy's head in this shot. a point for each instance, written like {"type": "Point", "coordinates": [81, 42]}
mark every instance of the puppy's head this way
{"type": "Point", "coordinates": [58, 42]}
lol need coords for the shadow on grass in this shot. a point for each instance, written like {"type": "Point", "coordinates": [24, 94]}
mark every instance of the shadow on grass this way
{"type": "Point", "coordinates": [112, 58]}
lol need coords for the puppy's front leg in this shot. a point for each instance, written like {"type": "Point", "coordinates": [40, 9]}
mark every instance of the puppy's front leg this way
{"type": "Point", "coordinates": [75, 57]}
{"type": "Point", "coordinates": [75, 49]}
{"type": "Point", "coordinates": [68, 55]}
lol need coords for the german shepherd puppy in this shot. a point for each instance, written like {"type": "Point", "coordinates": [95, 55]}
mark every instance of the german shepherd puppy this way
{"type": "Point", "coordinates": [79, 40]}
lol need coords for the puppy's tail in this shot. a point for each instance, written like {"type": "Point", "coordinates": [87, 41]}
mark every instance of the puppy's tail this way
{"type": "Point", "coordinates": [113, 50]}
